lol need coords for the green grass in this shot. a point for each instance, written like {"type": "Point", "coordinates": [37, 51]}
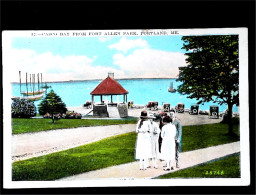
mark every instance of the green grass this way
{"type": "Point", "coordinates": [101, 154]}
{"type": "Point", "coordinates": [228, 167]}
{"type": "Point", "coordinates": [20, 125]}
{"type": "Point", "coordinates": [109, 152]}
{"type": "Point", "coordinates": [202, 136]}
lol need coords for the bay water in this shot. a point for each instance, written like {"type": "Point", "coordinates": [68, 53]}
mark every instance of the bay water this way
{"type": "Point", "coordinates": [141, 91]}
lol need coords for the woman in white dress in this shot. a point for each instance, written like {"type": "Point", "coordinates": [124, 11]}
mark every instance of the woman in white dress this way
{"type": "Point", "coordinates": [168, 144]}
{"type": "Point", "coordinates": [155, 144]}
{"type": "Point", "coordinates": [143, 143]}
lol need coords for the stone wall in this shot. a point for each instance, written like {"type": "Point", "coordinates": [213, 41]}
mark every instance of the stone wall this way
{"type": "Point", "coordinates": [100, 110]}
{"type": "Point", "coordinates": [123, 110]}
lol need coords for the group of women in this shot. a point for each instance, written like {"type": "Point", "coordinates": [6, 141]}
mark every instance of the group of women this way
{"type": "Point", "coordinates": [147, 144]}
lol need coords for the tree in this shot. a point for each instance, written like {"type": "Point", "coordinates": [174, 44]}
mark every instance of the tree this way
{"type": "Point", "coordinates": [52, 104]}
{"type": "Point", "coordinates": [212, 73]}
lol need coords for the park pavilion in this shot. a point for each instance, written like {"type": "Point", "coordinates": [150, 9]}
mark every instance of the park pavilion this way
{"type": "Point", "coordinates": [109, 87]}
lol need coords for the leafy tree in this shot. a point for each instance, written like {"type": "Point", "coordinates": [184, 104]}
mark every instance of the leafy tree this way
{"type": "Point", "coordinates": [212, 73]}
{"type": "Point", "coordinates": [52, 104]}
{"type": "Point", "coordinates": [22, 108]}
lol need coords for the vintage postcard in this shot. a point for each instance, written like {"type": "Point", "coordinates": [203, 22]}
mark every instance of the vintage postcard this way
{"type": "Point", "coordinates": [149, 107]}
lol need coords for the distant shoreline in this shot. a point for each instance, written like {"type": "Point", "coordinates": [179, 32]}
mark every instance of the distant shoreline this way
{"type": "Point", "coordinates": [70, 81]}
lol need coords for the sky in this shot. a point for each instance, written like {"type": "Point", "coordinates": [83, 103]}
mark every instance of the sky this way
{"type": "Point", "coordinates": [86, 58]}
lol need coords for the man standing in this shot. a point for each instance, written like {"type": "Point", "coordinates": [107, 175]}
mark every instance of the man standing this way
{"type": "Point", "coordinates": [178, 139]}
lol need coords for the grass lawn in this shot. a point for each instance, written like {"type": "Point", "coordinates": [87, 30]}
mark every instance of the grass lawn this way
{"type": "Point", "coordinates": [110, 151]}
{"type": "Point", "coordinates": [104, 153]}
{"type": "Point", "coordinates": [227, 167]}
{"type": "Point", "coordinates": [20, 125]}
{"type": "Point", "coordinates": [202, 136]}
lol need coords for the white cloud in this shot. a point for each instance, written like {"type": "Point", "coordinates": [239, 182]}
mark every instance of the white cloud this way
{"type": "Point", "coordinates": [53, 67]}
{"type": "Point", "coordinates": [145, 62]}
{"type": "Point", "coordinates": [142, 63]}
{"type": "Point", "coordinates": [125, 44]}
{"type": "Point", "coordinates": [149, 63]}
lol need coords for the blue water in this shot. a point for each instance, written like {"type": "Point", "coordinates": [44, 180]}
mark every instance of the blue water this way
{"type": "Point", "coordinates": [76, 93]}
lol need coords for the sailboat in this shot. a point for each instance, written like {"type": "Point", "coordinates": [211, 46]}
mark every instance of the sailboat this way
{"type": "Point", "coordinates": [32, 92]}
{"type": "Point", "coordinates": [171, 89]}
{"type": "Point", "coordinates": [29, 98]}
{"type": "Point", "coordinates": [31, 95]}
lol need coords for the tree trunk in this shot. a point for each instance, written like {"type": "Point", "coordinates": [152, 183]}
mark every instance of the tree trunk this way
{"type": "Point", "coordinates": [52, 118]}
{"type": "Point", "coordinates": [229, 118]}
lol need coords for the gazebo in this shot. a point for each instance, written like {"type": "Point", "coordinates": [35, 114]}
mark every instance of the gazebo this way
{"type": "Point", "coordinates": [110, 87]}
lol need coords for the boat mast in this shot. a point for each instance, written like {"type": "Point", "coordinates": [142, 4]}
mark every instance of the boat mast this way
{"type": "Point", "coordinates": [30, 82]}
{"type": "Point", "coordinates": [38, 81]}
{"type": "Point", "coordinates": [20, 80]}
{"type": "Point", "coordinates": [41, 79]}
{"type": "Point", "coordinates": [27, 83]}
{"type": "Point", "coordinates": [33, 78]}
{"type": "Point", "coordinates": [34, 84]}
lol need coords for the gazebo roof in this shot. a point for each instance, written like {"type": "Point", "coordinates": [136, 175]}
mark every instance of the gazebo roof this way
{"type": "Point", "coordinates": [109, 87]}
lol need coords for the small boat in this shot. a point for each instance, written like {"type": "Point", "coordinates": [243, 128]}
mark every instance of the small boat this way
{"type": "Point", "coordinates": [45, 87]}
{"type": "Point", "coordinates": [29, 98]}
{"type": "Point", "coordinates": [171, 89]}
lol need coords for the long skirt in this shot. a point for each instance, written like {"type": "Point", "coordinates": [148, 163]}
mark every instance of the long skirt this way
{"type": "Point", "coordinates": [155, 146]}
{"type": "Point", "coordinates": [168, 149]}
{"type": "Point", "coordinates": [143, 146]}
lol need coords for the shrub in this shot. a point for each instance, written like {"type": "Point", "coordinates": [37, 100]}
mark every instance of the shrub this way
{"type": "Point", "coordinates": [73, 115]}
{"type": "Point", "coordinates": [22, 108]}
{"type": "Point", "coordinates": [55, 116]}
{"type": "Point", "coordinates": [68, 115]}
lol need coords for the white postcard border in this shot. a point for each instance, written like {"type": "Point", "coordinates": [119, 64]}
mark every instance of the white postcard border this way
{"type": "Point", "coordinates": [243, 109]}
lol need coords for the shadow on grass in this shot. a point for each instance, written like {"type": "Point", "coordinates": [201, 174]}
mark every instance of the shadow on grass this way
{"type": "Point", "coordinates": [202, 136]}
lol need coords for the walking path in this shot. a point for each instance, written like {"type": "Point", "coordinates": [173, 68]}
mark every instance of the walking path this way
{"type": "Point", "coordinates": [30, 145]}
{"type": "Point", "coordinates": [131, 170]}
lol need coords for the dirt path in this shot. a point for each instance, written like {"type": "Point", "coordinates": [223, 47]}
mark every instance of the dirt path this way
{"type": "Point", "coordinates": [130, 171]}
